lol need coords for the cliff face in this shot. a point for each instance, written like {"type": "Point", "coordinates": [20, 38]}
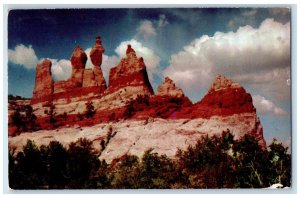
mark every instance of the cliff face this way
{"type": "Point", "coordinates": [163, 121]}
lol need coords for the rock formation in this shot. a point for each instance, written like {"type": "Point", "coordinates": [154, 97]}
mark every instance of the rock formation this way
{"type": "Point", "coordinates": [95, 77]}
{"type": "Point", "coordinates": [164, 121]}
{"type": "Point", "coordinates": [96, 52]}
{"type": "Point", "coordinates": [43, 80]}
{"type": "Point", "coordinates": [81, 83]}
{"type": "Point", "coordinates": [130, 72]}
{"type": "Point", "coordinates": [78, 61]}
{"type": "Point", "coordinates": [168, 88]}
{"type": "Point", "coordinates": [223, 98]}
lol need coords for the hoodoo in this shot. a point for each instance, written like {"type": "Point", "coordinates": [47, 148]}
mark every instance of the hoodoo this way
{"type": "Point", "coordinates": [83, 83]}
{"type": "Point", "coordinates": [164, 121]}
{"type": "Point", "coordinates": [43, 80]}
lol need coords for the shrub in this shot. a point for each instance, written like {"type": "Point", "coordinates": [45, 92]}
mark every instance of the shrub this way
{"type": "Point", "coordinates": [213, 162]}
{"type": "Point", "coordinates": [82, 164]}
{"type": "Point", "coordinates": [90, 110]}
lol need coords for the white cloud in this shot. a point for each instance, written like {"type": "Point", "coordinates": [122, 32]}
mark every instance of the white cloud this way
{"type": "Point", "coordinates": [162, 20]}
{"type": "Point", "coordinates": [89, 63]}
{"type": "Point", "coordinates": [146, 29]}
{"type": "Point", "coordinates": [24, 56]}
{"type": "Point", "coordinates": [253, 56]}
{"type": "Point", "coordinates": [265, 106]}
{"type": "Point", "coordinates": [107, 63]}
{"type": "Point", "coordinates": [150, 58]}
{"type": "Point", "coordinates": [61, 69]}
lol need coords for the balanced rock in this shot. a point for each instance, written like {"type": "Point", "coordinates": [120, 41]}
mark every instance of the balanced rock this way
{"type": "Point", "coordinates": [96, 52]}
{"type": "Point", "coordinates": [95, 77]}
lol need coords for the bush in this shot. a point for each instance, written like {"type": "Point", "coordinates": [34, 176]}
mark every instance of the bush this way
{"type": "Point", "coordinates": [27, 168]}
{"type": "Point", "coordinates": [25, 121]}
{"type": "Point", "coordinates": [135, 105]}
{"type": "Point", "coordinates": [90, 110]}
{"type": "Point", "coordinates": [213, 162]}
{"type": "Point", "coordinates": [82, 164]}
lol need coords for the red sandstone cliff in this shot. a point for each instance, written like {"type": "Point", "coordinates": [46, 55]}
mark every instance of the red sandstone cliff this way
{"type": "Point", "coordinates": [129, 96]}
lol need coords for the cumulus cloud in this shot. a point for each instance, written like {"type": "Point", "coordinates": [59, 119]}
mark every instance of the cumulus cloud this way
{"type": "Point", "coordinates": [146, 29]}
{"type": "Point", "coordinates": [23, 55]}
{"type": "Point", "coordinates": [251, 55]}
{"type": "Point", "coordinates": [150, 58]}
{"type": "Point", "coordinates": [266, 106]}
{"type": "Point", "coordinates": [107, 63]}
{"type": "Point", "coordinates": [61, 69]}
{"type": "Point", "coordinates": [162, 20]}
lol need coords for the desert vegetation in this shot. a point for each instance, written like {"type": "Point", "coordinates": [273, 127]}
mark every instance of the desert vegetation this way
{"type": "Point", "coordinates": [216, 162]}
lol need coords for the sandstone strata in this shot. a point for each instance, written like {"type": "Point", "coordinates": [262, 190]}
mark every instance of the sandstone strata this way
{"type": "Point", "coordinates": [136, 136]}
{"type": "Point", "coordinates": [141, 119]}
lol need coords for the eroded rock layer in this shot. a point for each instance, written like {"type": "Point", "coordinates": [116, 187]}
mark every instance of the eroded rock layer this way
{"type": "Point", "coordinates": [141, 119]}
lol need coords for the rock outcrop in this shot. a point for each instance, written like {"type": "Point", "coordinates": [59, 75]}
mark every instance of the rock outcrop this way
{"type": "Point", "coordinates": [94, 78]}
{"type": "Point", "coordinates": [163, 121]}
{"type": "Point", "coordinates": [223, 98]}
{"type": "Point", "coordinates": [130, 72]}
{"type": "Point", "coordinates": [221, 83]}
{"type": "Point", "coordinates": [82, 84]}
{"type": "Point", "coordinates": [96, 52]}
{"type": "Point", "coordinates": [78, 61]}
{"type": "Point", "coordinates": [168, 88]}
{"type": "Point", "coordinates": [43, 81]}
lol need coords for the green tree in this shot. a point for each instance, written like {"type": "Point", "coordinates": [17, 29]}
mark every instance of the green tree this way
{"type": "Point", "coordinates": [82, 165]}
{"type": "Point", "coordinates": [56, 163]}
{"type": "Point", "coordinates": [18, 120]}
{"type": "Point", "coordinates": [280, 164]}
{"type": "Point", "coordinates": [28, 168]}
{"type": "Point", "coordinates": [251, 164]}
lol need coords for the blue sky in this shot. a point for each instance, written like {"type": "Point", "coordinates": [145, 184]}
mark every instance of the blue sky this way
{"type": "Point", "coordinates": [249, 45]}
